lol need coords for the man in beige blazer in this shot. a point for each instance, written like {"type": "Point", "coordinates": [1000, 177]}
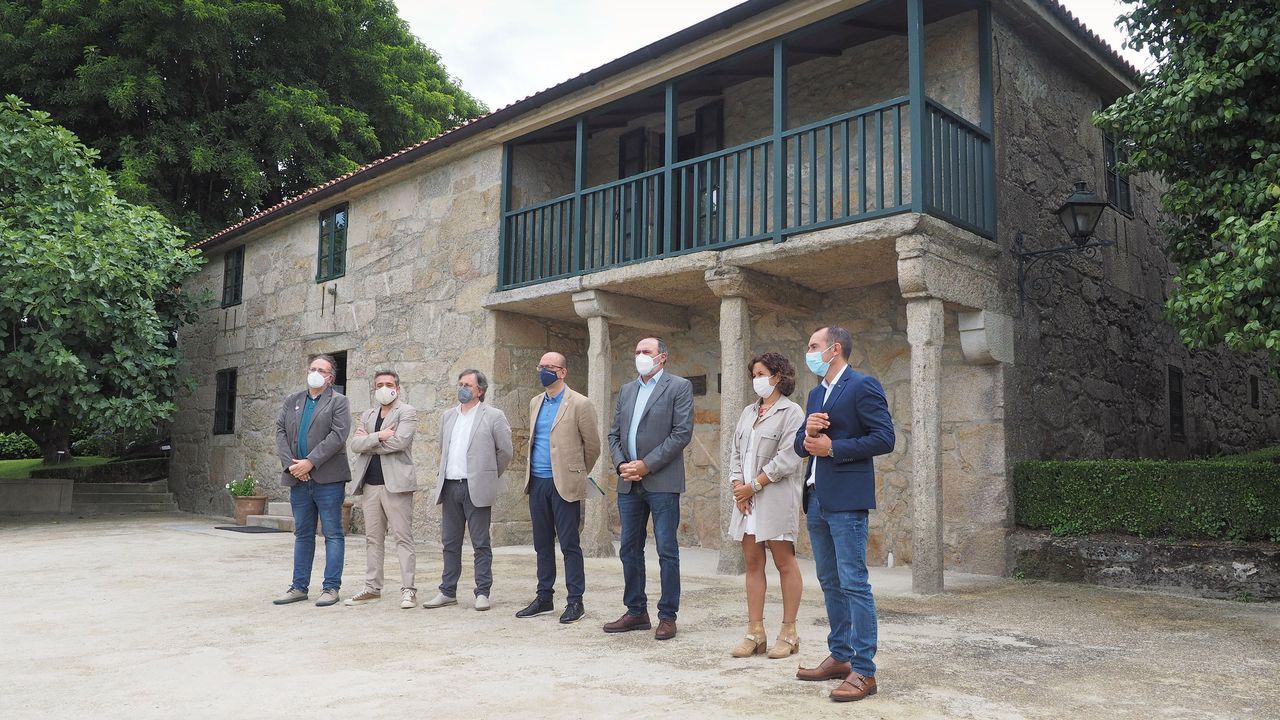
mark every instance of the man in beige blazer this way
{"type": "Point", "coordinates": [563, 446]}
{"type": "Point", "coordinates": [386, 479]}
{"type": "Point", "coordinates": [475, 449]}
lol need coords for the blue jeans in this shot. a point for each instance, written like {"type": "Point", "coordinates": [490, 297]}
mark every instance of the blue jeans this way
{"type": "Point", "coordinates": [553, 517]}
{"type": "Point", "coordinates": [839, 541]}
{"type": "Point", "coordinates": [310, 500]}
{"type": "Point", "coordinates": [634, 509]}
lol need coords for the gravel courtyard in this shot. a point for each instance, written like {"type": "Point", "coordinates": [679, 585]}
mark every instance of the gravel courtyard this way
{"type": "Point", "coordinates": [147, 617]}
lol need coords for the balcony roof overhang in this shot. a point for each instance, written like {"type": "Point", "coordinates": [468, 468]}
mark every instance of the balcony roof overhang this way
{"type": "Point", "coordinates": [754, 22]}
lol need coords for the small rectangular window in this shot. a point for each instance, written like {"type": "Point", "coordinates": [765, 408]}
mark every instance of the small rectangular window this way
{"type": "Point", "coordinates": [1177, 420]}
{"type": "Point", "coordinates": [340, 372]}
{"type": "Point", "coordinates": [233, 277]}
{"type": "Point", "coordinates": [331, 259]}
{"type": "Point", "coordinates": [699, 383]}
{"type": "Point", "coordinates": [1118, 193]}
{"type": "Point", "coordinates": [224, 403]}
{"type": "Point", "coordinates": [1255, 401]}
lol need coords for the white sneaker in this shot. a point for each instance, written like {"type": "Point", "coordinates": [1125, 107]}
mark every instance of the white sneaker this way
{"type": "Point", "coordinates": [408, 599]}
{"type": "Point", "coordinates": [482, 602]}
{"type": "Point", "coordinates": [440, 600]}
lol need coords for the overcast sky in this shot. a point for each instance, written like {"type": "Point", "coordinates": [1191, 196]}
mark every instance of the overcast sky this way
{"type": "Point", "coordinates": [504, 50]}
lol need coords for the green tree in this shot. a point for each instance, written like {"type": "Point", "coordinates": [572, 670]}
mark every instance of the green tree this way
{"type": "Point", "coordinates": [211, 110]}
{"type": "Point", "coordinates": [90, 291]}
{"type": "Point", "coordinates": [1207, 120]}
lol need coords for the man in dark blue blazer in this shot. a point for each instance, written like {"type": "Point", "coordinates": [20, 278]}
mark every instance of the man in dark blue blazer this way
{"type": "Point", "coordinates": [847, 424]}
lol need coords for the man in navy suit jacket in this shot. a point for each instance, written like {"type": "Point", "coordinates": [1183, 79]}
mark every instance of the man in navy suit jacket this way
{"type": "Point", "coordinates": [848, 424]}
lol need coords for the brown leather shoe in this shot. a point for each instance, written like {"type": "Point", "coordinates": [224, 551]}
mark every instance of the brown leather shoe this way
{"type": "Point", "coordinates": [629, 622]}
{"type": "Point", "coordinates": [666, 629]}
{"type": "Point", "coordinates": [828, 669]}
{"type": "Point", "coordinates": [854, 687]}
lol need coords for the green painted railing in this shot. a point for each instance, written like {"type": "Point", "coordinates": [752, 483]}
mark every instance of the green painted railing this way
{"type": "Point", "coordinates": [836, 171]}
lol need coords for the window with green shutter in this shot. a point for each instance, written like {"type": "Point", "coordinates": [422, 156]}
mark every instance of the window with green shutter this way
{"type": "Point", "coordinates": [331, 258]}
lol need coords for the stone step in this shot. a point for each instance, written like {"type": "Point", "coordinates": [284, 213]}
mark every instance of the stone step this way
{"type": "Point", "coordinates": [272, 521]}
{"type": "Point", "coordinates": [104, 508]}
{"type": "Point", "coordinates": [82, 497]}
{"type": "Point", "coordinates": [282, 509]}
{"type": "Point", "coordinates": [158, 487]}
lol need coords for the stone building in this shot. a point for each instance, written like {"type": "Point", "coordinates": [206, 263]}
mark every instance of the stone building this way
{"type": "Point", "coordinates": [780, 166]}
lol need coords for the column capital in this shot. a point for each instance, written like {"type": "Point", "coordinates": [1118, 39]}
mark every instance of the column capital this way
{"type": "Point", "coordinates": [630, 311]}
{"type": "Point", "coordinates": [762, 290]}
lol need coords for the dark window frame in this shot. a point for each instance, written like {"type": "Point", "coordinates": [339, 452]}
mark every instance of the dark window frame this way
{"type": "Point", "coordinates": [233, 277]}
{"type": "Point", "coordinates": [331, 253]}
{"type": "Point", "coordinates": [224, 402]}
{"type": "Point", "coordinates": [1177, 405]}
{"type": "Point", "coordinates": [1118, 190]}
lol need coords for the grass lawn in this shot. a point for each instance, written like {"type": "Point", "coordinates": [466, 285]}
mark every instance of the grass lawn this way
{"type": "Point", "coordinates": [11, 469]}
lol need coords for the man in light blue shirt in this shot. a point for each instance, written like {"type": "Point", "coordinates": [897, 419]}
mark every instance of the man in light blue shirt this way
{"type": "Point", "coordinates": [652, 425]}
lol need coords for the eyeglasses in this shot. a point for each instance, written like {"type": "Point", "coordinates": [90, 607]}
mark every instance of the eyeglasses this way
{"type": "Point", "coordinates": [550, 367]}
{"type": "Point", "coordinates": [322, 371]}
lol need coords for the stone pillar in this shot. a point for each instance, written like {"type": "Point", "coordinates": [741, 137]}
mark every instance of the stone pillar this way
{"type": "Point", "coordinates": [597, 540]}
{"type": "Point", "coordinates": [735, 351]}
{"type": "Point", "coordinates": [924, 333]}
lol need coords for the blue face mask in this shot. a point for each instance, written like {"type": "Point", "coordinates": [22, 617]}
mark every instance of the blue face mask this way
{"type": "Point", "coordinates": [464, 394]}
{"type": "Point", "coordinates": [815, 362]}
{"type": "Point", "coordinates": [547, 377]}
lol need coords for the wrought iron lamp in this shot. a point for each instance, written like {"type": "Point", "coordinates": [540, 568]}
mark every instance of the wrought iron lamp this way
{"type": "Point", "coordinates": [1079, 216]}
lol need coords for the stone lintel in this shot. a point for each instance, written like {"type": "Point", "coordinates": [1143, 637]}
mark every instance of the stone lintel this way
{"type": "Point", "coordinates": [955, 268]}
{"type": "Point", "coordinates": [762, 290]}
{"type": "Point", "coordinates": [630, 311]}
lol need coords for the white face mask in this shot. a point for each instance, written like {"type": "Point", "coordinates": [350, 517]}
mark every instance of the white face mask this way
{"type": "Point", "coordinates": [761, 386]}
{"type": "Point", "coordinates": [315, 380]}
{"type": "Point", "coordinates": [644, 364]}
{"type": "Point", "coordinates": [385, 395]}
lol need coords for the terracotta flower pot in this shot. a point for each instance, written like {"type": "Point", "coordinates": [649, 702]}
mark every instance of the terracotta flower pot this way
{"type": "Point", "coordinates": [247, 505]}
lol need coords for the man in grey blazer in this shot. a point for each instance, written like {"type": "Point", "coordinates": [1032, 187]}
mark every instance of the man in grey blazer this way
{"type": "Point", "coordinates": [475, 449]}
{"type": "Point", "coordinates": [386, 479]}
{"type": "Point", "coordinates": [311, 442]}
{"type": "Point", "coordinates": [652, 424]}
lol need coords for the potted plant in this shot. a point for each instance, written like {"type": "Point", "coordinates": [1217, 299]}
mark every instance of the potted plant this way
{"type": "Point", "coordinates": [247, 501]}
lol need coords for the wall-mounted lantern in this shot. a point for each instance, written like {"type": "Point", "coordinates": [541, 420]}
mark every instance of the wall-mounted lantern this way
{"type": "Point", "coordinates": [1079, 216]}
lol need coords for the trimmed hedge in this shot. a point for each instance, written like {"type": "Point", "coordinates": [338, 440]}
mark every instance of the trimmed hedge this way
{"type": "Point", "coordinates": [1226, 498]}
{"type": "Point", "coordinates": [17, 446]}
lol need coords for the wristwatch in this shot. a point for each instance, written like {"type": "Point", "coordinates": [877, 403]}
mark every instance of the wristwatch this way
{"type": "Point", "coordinates": [755, 485]}
{"type": "Point", "coordinates": [831, 451]}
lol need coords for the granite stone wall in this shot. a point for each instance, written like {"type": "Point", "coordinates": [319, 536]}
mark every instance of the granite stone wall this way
{"type": "Point", "coordinates": [1093, 356]}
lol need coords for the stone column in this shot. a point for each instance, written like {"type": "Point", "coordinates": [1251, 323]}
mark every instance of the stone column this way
{"type": "Point", "coordinates": [924, 333]}
{"type": "Point", "coordinates": [735, 351]}
{"type": "Point", "coordinates": [597, 540]}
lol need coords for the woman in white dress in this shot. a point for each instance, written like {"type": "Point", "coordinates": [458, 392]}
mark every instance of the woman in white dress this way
{"type": "Point", "coordinates": [767, 478]}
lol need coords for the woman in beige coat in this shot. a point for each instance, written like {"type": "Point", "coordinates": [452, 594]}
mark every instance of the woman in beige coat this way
{"type": "Point", "coordinates": [767, 478]}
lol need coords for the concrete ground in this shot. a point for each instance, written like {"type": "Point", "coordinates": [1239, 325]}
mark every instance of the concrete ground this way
{"type": "Point", "coordinates": [145, 617]}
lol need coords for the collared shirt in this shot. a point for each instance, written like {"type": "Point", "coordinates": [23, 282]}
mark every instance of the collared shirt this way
{"type": "Point", "coordinates": [540, 460]}
{"type": "Point", "coordinates": [459, 441]}
{"type": "Point", "coordinates": [642, 399]}
{"type": "Point", "coordinates": [308, 409]}
{"type": "Point", "coordinates": [813, 464]}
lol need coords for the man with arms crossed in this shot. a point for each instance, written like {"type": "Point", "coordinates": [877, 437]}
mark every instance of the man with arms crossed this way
{"type": "Point", "coordinates": [386, 477]}
{"type": "Point", "coordinates": [847, 424]}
